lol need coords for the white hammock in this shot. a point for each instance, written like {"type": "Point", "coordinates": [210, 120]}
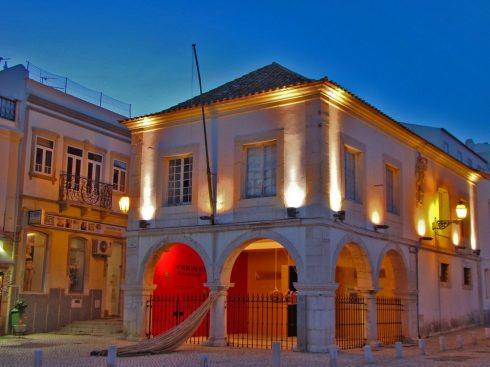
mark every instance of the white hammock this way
{"type": "Point", "coordinates": [171, 339]}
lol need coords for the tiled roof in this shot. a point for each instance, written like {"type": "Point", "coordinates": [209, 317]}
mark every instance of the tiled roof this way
{"type": "Point", "coordinates": [270, 77]}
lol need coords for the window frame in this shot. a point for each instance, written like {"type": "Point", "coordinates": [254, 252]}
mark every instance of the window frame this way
{"type": "Point", "coordinates": [181, 187]}
{"type": "Point", "coordinates": [48, 135]}
{"type": "Point", "coordinates": [468, 285]}
{"type": "Point", "coordinates": [394, 208]}
{"type": "Point", "coordinates": [116, 187]}
{"type": "Point", "coordinates": [260, 145]}
{"type": "Point", "coordinates": [445, 276]}
{"type": "Point", "coordinates": [4, 103]}
{"type": "Point", "coordinates": [358, 157]}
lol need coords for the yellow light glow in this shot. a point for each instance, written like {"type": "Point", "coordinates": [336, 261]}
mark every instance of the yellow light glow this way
{"type": "Point", "coordinates": [333, 136]}
{"type": "Point", "coordinates": [146, 122]}
{"type": "Point", "coordinates": [421, 228]}
{"type": "Point", "coordinates": [455, 238]}
{"type": "Point", "coordinates": [473, 242]}
{"type": "Point", "coordinates": [336, 94]}
{"type": "Point", "coordinates": [124, 204]}
{"type": "Point", "coordinates": [147, 201]}
{"type": "Point", "coordinates": [461, 210]}
{"type": "Point", "coordinates": [375, 217]}
{"type": "Point", "coordinates": [295, 196]}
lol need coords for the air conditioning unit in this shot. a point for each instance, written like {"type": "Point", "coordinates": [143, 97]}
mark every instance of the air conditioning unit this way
{"type": "Point", "coordinates": [101, 248]}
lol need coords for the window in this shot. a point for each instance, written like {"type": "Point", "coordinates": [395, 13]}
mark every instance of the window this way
{"type": "Point", "coordinates": [445, 146]}
{"type": "Point", "coordinates": [261, 171]}
{"type": "Point", "coordinates": [73, 168]}
{"type": "Point", "coordinates": [459, 155]}
{"type": "Point", "coordinates": [44, 151]}
{"type": "Point", "coordinates": [180, 181]}
{"type": "Point", "coordinates": [444, 276]}
{"type": "Point", "coordinates": [351, 175]}
{"type": "Point", "coordinates": [119, 176]}
{"type": "Point", "coordinates": [392, 189]}
{"type": "Point", "coordinates": [467, 281]}
{"type": "Point", "coordinates": [34, 262]}
{"type": "Point", "coordinates": [470, 163]}
{"type": "Point", "coordinates": [94, 169]}
{"type": "Point", "coordinates": [76, 265]}
{"type": "Point", "coordinates": [7, 109]}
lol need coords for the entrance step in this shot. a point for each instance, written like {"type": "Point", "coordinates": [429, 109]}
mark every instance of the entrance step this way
{"type": "Point", "coordinates": [99, 327]}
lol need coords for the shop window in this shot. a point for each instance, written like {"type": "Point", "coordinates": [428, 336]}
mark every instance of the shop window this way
{"type": "Point", "coordinates": [179, 181]}
{"type": "Point", "coordinates": [76, 265]}
{"type": "Point", "coordinates": [352, 159]}
{"type": "Point", "coordinates": [7, 109]}
{"type": "Point", "coordinates": [35, 260]}
{"type": "Point", "coordinates": [392, 184]}
{"type": "Point", "coordinates": [119, 176]}
{"type": "Point", "coordinates": [467, 280]}
{"type": "Point", "coordinates": [261, 170]}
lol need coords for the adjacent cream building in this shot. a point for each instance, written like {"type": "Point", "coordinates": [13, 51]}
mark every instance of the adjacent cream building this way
{"type": "Point", "coordinates": [363, 207]}
{"type": "Point", "coordinates": [65, 164]}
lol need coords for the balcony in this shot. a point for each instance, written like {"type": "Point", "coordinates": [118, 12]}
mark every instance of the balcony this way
{"type": "Point", "coordinates": [85, 192]}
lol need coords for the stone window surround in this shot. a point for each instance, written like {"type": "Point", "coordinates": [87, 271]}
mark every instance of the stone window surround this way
{"type": "Point", "coordinates": [240, 169]}
{"type": "Point", "coordinates": [164, 156]}
{"type": "Point", "coordinates": [396, 166]}
{"type": "Point", "coordinates": [124, 158]}
{"type": "Point", "coordinates": [349, 143]}
{"type": "Point", "coordinates": [446, 284]}
{"type": "Point", "coordinates": [54, 137]}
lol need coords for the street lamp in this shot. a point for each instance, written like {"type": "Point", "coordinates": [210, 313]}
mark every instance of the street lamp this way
{"type": "Point", "coordinates": [461, 213]}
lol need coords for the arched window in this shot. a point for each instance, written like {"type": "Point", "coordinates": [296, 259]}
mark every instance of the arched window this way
{"type": "Point", "coordinates": [35, 260]}
{"type": "Point", "coordinates": [76, 265]}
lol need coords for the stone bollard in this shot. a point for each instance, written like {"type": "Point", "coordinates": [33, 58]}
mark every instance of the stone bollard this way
{"type": "Point", "coordinates": [474, 339]}
{"type": "Point", "coordinates": [368, 354]}
{"type": "Point", "coordinates": [487, 332]}
{"type": "Point", "coordinates": [422, 347]}
{"type": "Point", "coordinates": [111, 356]}
{"type": "Point", "coordinates": [276, 354]}
{"type": "Point", "coordinates": [399, 350]}
{"type": "Point", "coordinates": [204, 361]}
{"type": "Point", "coordinates": [460, 341]}
{"type": "Point", "coordinates": [333, 354]}
{"type": "Point", "coordinates": [38, 358]}
{"type": "Point", "coordinates": [442, 343]}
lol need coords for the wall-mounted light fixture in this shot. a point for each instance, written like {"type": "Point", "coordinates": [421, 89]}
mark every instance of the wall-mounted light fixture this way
{"type": "Point", "coordinates": [124, 204]}
{"type": "Point", "coordinates": [461, 212]}
{"type": "Point", "coordinates": [476, 252]}
{"type": "Point", "coordinates": [378, 227]}
{"type": "Point", "coordinates": [144, 223]}
{"type": "Point", "coordinates": [339, 216]}
{"type": "Point", "coordinates": [292, 212]}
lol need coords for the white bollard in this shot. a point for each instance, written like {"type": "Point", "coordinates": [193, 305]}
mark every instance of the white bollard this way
{"type": "Point", "coordinates": [38, 358]}
{"type": "Point", "coordinates": [399, 350]}
{"type": "Point", "coordinates": [487, 332]}
{"type": "Point", "coordinates": [460, 341]}
{"type": "Point", "coordinates": [423, 347]}
{"type": "Point", "coordinates": [368, 354]}
{"type": "Point", "coordinates": [204, 362]}
{"type": "Point", "coordinates": [442, 343]}
{"type": "Point", "coordinates": [276, 354]}
{"type": "Point", "coordinates": [333, 354]}
{"type": "Point", "coordinates": [474, 339]}
{"type": "Point", "coordinates": [111, 356]}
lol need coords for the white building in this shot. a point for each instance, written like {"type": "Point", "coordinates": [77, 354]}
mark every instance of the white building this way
{"type": "Point", "coordinates": [290, 157]}
{"type": "Point", "coordinates": [63, 170]}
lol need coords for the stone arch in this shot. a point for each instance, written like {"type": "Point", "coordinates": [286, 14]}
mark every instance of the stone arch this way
{"type": "Point", "coordinates": [360, 255]}
{"type": "Point", "coordinates": [149, 261]}
{"type": "Point", "coordinates": [398, 261]}
{"type": "Point", "coordinates": [230, 253]}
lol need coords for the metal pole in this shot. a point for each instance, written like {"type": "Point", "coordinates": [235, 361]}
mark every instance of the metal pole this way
{"type": "Point", "coordinates": [208, 169]}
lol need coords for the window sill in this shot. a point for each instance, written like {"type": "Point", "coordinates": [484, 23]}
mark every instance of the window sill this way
{"type": "Point", "coordinates": [51, 178]}
{"type": "Point", "coordinates": [257, 202]}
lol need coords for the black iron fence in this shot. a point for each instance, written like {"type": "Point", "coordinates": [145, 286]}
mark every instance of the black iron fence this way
{"type": "Point", "coordinates": [350, 321]}
{"type": "Point", "coordinates": [389, 312]}
{"type": "Point", "coordinates": [258, 320]}
{"type": "Point", "coordinates": [86, 191]}
{"type": "Point", "coordinates": [167, 310]}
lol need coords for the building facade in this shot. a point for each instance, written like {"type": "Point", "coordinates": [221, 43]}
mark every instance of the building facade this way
{"type": "Point", "coordinates": [69, 161]}
{"type": "Point", "coordinates": [317, 196]}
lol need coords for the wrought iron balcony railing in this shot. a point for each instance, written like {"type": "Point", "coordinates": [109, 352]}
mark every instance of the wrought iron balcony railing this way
{"type": "Point", "coordinates": [85, 191]}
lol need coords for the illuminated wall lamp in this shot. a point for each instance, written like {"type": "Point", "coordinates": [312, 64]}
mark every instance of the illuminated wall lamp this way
{"type": "Point", "coordinates": [339, 216]}
{"type": "Point", "coordinates": [124, 204]}
{"type": "Point", "coordinates": [378, 227]}
{"type": "Point", "coordinates": [461, 212]}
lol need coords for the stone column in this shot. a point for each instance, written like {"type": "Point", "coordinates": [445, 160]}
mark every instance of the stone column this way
{"type": "Point", "coordinates": [370, 321]}
{"type": "Point", "coordinates": [217, 315]}
{"type": "Point", "coordinates": [316, 317]}
{"type": "Point", "coordinates": [135, 313]}
{"type": "Point", "coordinates": [409, 314]}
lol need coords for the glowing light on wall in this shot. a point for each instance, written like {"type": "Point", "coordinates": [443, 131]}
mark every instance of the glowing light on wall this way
{"type": "Point", "coordinates": [473, 242]}
{"type": "Point", "coordinates": [145, 122]}
{"type": "Point", "coordinates": [294, 196]}
{"type": "Point", "coordinates": [334, 147]}
{"type": "Point", "coordinates": [421, 227]}
{"type": "Point", "coordinates": [455, 237]}
{"type": "Point", "coordinates": [375, 217]}
{"type": "Point", "coordinates": [147, 204]}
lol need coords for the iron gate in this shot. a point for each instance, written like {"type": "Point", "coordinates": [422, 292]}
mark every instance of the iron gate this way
{"type": "Point", "coordinates": [350, 316]}
{"type": "Point", "coordinates": [167, 310]}
{"type": "Point", "coordinates": [389, 311]}
{"type": "Point", "coordinates": [257, 320]}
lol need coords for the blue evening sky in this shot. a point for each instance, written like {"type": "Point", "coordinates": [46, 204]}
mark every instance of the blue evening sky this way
{"type": "Point", "coordinates": [424, 62]}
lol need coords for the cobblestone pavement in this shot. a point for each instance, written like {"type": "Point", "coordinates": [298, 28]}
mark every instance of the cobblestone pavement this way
{"type": "Point", "coordinates": [72, 351]}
